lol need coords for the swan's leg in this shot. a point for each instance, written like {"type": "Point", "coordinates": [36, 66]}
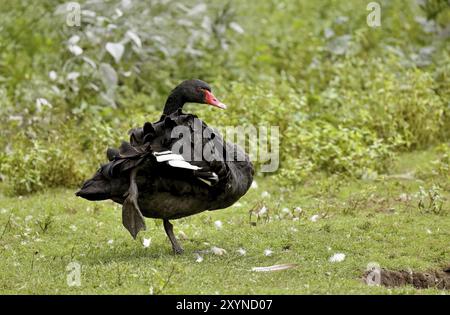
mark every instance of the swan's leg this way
{"type": "Point", "coordinates": [168, 227]}
{"type": "Point", "coordinates": [132, 217]}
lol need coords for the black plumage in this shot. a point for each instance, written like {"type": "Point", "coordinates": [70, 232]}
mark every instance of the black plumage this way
{"type": "Point", "coordinates": [151, 178]}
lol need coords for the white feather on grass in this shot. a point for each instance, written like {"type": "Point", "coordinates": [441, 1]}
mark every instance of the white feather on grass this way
{"type": "Point", "coordinates": [218, 224]}
{"type": "Point", "coordinates": [218, 251]}
{"type": "Point", "coordinates": [183, 164]}
{"type": "Point", "coordinates": [146, 242]}
{"type": "Point", "coordinates": [174, 160]}
{"type": "Point", "coordinates": [198, 258]}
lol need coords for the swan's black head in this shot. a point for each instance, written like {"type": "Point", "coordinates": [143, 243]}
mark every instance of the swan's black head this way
{"type": "Point", "coordinates": [191, 91]}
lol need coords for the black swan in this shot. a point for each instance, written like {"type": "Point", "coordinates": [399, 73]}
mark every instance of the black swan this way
{"type": "Point", "coordinates": [173, 168]}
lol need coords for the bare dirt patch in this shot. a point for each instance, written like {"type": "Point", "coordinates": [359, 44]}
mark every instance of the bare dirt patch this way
{"type": "Point", "coordinates": [438, 279]}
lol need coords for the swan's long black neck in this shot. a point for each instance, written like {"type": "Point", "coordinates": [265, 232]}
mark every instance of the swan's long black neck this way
{"type": "Point", "coordinates": [174, 102]}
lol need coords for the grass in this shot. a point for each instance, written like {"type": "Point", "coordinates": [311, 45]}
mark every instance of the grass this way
{"type": "Point", "coordinates": [368, 221]}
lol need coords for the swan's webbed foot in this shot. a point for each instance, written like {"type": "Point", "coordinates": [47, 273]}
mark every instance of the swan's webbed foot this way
{"type": "Point", "coordinates": [168, 227]}
{"type": "Point", "coordinates": [132, 217]}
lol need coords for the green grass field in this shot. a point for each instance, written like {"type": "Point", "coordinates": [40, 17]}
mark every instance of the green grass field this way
{"type": "Point", "coordinates": [369, 221]}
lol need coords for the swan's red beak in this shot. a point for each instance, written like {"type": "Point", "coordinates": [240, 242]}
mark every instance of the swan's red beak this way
{"type": "Point", "coordinates": [212, 100]}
